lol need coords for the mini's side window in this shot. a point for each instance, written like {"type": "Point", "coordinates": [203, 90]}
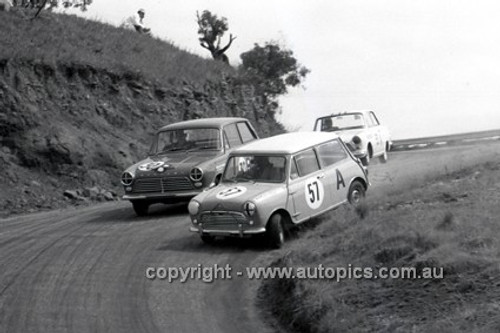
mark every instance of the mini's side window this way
{"type": "Point", "coordinates": [331, 152]}
{"type": "Point", "coordinates": [293, 170]}
{"type": "Point", "coordinates": [245, 132]}
{"type": "Point", "coordinates": [307, 162]}
{"type": "Point", "coordinates": [232, 136]}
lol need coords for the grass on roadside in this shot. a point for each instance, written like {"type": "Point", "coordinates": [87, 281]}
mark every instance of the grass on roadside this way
{"type": "Point", "coordinates": [453, 225]}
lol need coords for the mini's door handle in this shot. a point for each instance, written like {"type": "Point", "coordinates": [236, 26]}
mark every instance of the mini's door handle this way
{"type": "Point", "coordinates": [321, 176]}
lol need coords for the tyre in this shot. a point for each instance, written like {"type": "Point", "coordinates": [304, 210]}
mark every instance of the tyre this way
{"type": "Point", "coordinates": [383, 157]}
{"type": "Point", "coordinates": [207, 239]}
{"type": "Point", "coordinates": [369, 153]}
{"type": "Point", "coordinates": [365, 160]}
{"type": "Point", "coordinates": [356, 193]}
{"type": "Point", "coordinates": [275, 232]}
{"type": "Point", "coordinates": [140, 208]}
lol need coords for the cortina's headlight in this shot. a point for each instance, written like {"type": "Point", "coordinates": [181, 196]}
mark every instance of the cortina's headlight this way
{"type": "Point", "coordinates": [356, 140]}
{"type": "Point", "coordinates": [196, 174]}
{"type": "Point", "coordinates": [249, 208]}
{"type": "Point", "coordinates": [193, 207]}
{"type": "Point", "coordinates": [127, 178]}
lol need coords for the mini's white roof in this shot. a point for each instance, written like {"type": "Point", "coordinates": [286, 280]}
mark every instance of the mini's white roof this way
{"type": "Point", "coordinates": [287, 143]}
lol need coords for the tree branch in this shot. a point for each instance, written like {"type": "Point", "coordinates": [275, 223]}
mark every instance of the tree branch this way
{"type": "Point", "coordinates": [231, 38]}
{"type": "Point", "coordinates": [42, 6]}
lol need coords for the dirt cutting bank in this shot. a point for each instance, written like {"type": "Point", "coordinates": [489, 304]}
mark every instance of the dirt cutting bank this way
{"type": "Point", "coordinates": [71, 126]}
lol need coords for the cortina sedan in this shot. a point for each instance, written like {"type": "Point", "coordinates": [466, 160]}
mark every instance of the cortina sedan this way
{"type": "Point", "coordinates": [184, 159]}
{"type": "Point", "coordinates": [277, 182]}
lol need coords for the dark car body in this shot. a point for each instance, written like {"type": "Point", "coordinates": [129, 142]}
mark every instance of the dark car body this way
{"type": "Point", "coordinates": [184, 159]}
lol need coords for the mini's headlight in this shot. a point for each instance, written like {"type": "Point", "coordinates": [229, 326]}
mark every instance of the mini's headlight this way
{"type": "Point", "coordinates": [193, 207]}
{"type": "Point", "coordinates": [249, 208]}
{"type": "Point", "coordinates": [356, 140]}
{"type": "Point", "coordinates": [127, 178]}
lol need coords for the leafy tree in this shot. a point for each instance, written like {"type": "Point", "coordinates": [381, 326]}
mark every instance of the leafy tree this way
{"type": "Point", "coordinates": [50, 4]}
{"type": "Point", "coordinates": [271, 69]}
{"type": "Point", "coordinates": [211, 29]}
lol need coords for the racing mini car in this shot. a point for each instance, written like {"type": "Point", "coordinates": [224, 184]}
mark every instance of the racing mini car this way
{"type": "Point", "coordinates": [361, 131]}
{"type": "Point", "coordinates": [277, 182]}
{"type": "Point", "coordinates": [184, 158]}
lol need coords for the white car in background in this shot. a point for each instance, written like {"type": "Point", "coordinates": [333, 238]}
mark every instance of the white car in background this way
{"type": "Point", "coordinates": [361, 131]}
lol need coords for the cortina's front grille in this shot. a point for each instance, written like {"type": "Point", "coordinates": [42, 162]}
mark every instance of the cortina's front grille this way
{"type": "Point", "coordinates": [162, 185]}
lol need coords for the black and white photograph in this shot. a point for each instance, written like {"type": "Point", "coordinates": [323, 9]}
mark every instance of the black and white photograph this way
{"type": "Point", "coordinates": [249, 166]}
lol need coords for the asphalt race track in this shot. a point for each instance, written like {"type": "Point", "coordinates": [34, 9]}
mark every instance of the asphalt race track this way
{"type": "Point", "coordinates": [83, 269]}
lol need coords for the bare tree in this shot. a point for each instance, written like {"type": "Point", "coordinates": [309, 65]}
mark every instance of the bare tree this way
{"type": "Point", "coordinates": [211, 29]}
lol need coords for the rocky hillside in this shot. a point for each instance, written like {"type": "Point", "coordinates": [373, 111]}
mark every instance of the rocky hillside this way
{"type": "Point", "coordinates": [74, 125]}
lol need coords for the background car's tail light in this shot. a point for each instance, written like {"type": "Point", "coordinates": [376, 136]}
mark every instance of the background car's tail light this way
{"type": "Point", "coordinates": [196, 174]}
{"type": "Point", "coordinates": [127, 178]}
{"type": "Point", "coordinates": [356, 140]}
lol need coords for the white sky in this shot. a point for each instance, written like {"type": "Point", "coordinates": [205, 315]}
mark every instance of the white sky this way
{"type": "Point", "coordinates": [429, 67]}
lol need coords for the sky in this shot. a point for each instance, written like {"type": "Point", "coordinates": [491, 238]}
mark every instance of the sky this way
{"type": "Point", "coordinates": [427, 68]}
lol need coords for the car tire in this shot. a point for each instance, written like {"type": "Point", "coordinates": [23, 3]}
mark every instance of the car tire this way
{"type": "Point", "coordinates": [275, 232]}
{"type": "Point", "coordinates": [207, 239]}
{"type": "Point", "coordinates": [383, 157]}
{"type": "Point", "coordinates": [356, 193]}
{"type": "Point", "coordinates": [141, 208]}
{"type": "Point", "coordinates": [365, 160]}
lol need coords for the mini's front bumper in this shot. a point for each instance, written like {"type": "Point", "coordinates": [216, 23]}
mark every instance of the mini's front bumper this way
{"type": "Point", "coordinates": [218, 232]}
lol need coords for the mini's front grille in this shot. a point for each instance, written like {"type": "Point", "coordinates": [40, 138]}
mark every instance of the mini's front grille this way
{"type": "Point", "coordinates": [162, 185]}
{"type": "Point", "coordinates": [222, 219]}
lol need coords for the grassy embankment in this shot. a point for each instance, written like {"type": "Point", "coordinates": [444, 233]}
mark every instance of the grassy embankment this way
{"type": "Point", "coordinates": [451, 223]}
{"type": "Point", "coordinates": [58, 39]}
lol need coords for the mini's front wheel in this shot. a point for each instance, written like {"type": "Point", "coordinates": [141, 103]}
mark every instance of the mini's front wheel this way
{"type": "Point", "coordinates": [275, 231]}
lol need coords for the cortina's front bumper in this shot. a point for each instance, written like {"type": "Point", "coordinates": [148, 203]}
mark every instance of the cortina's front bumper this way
{"type": "Point", "coordinates": [156, 196]}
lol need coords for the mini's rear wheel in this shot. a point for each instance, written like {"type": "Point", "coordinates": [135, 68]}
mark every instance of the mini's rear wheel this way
{"type": "Point", "coordinates": [275, 232]}
{"type": "Point", "coordinates": [356, 192]}
{"type": "Point", "coordinates": [140, 207]}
